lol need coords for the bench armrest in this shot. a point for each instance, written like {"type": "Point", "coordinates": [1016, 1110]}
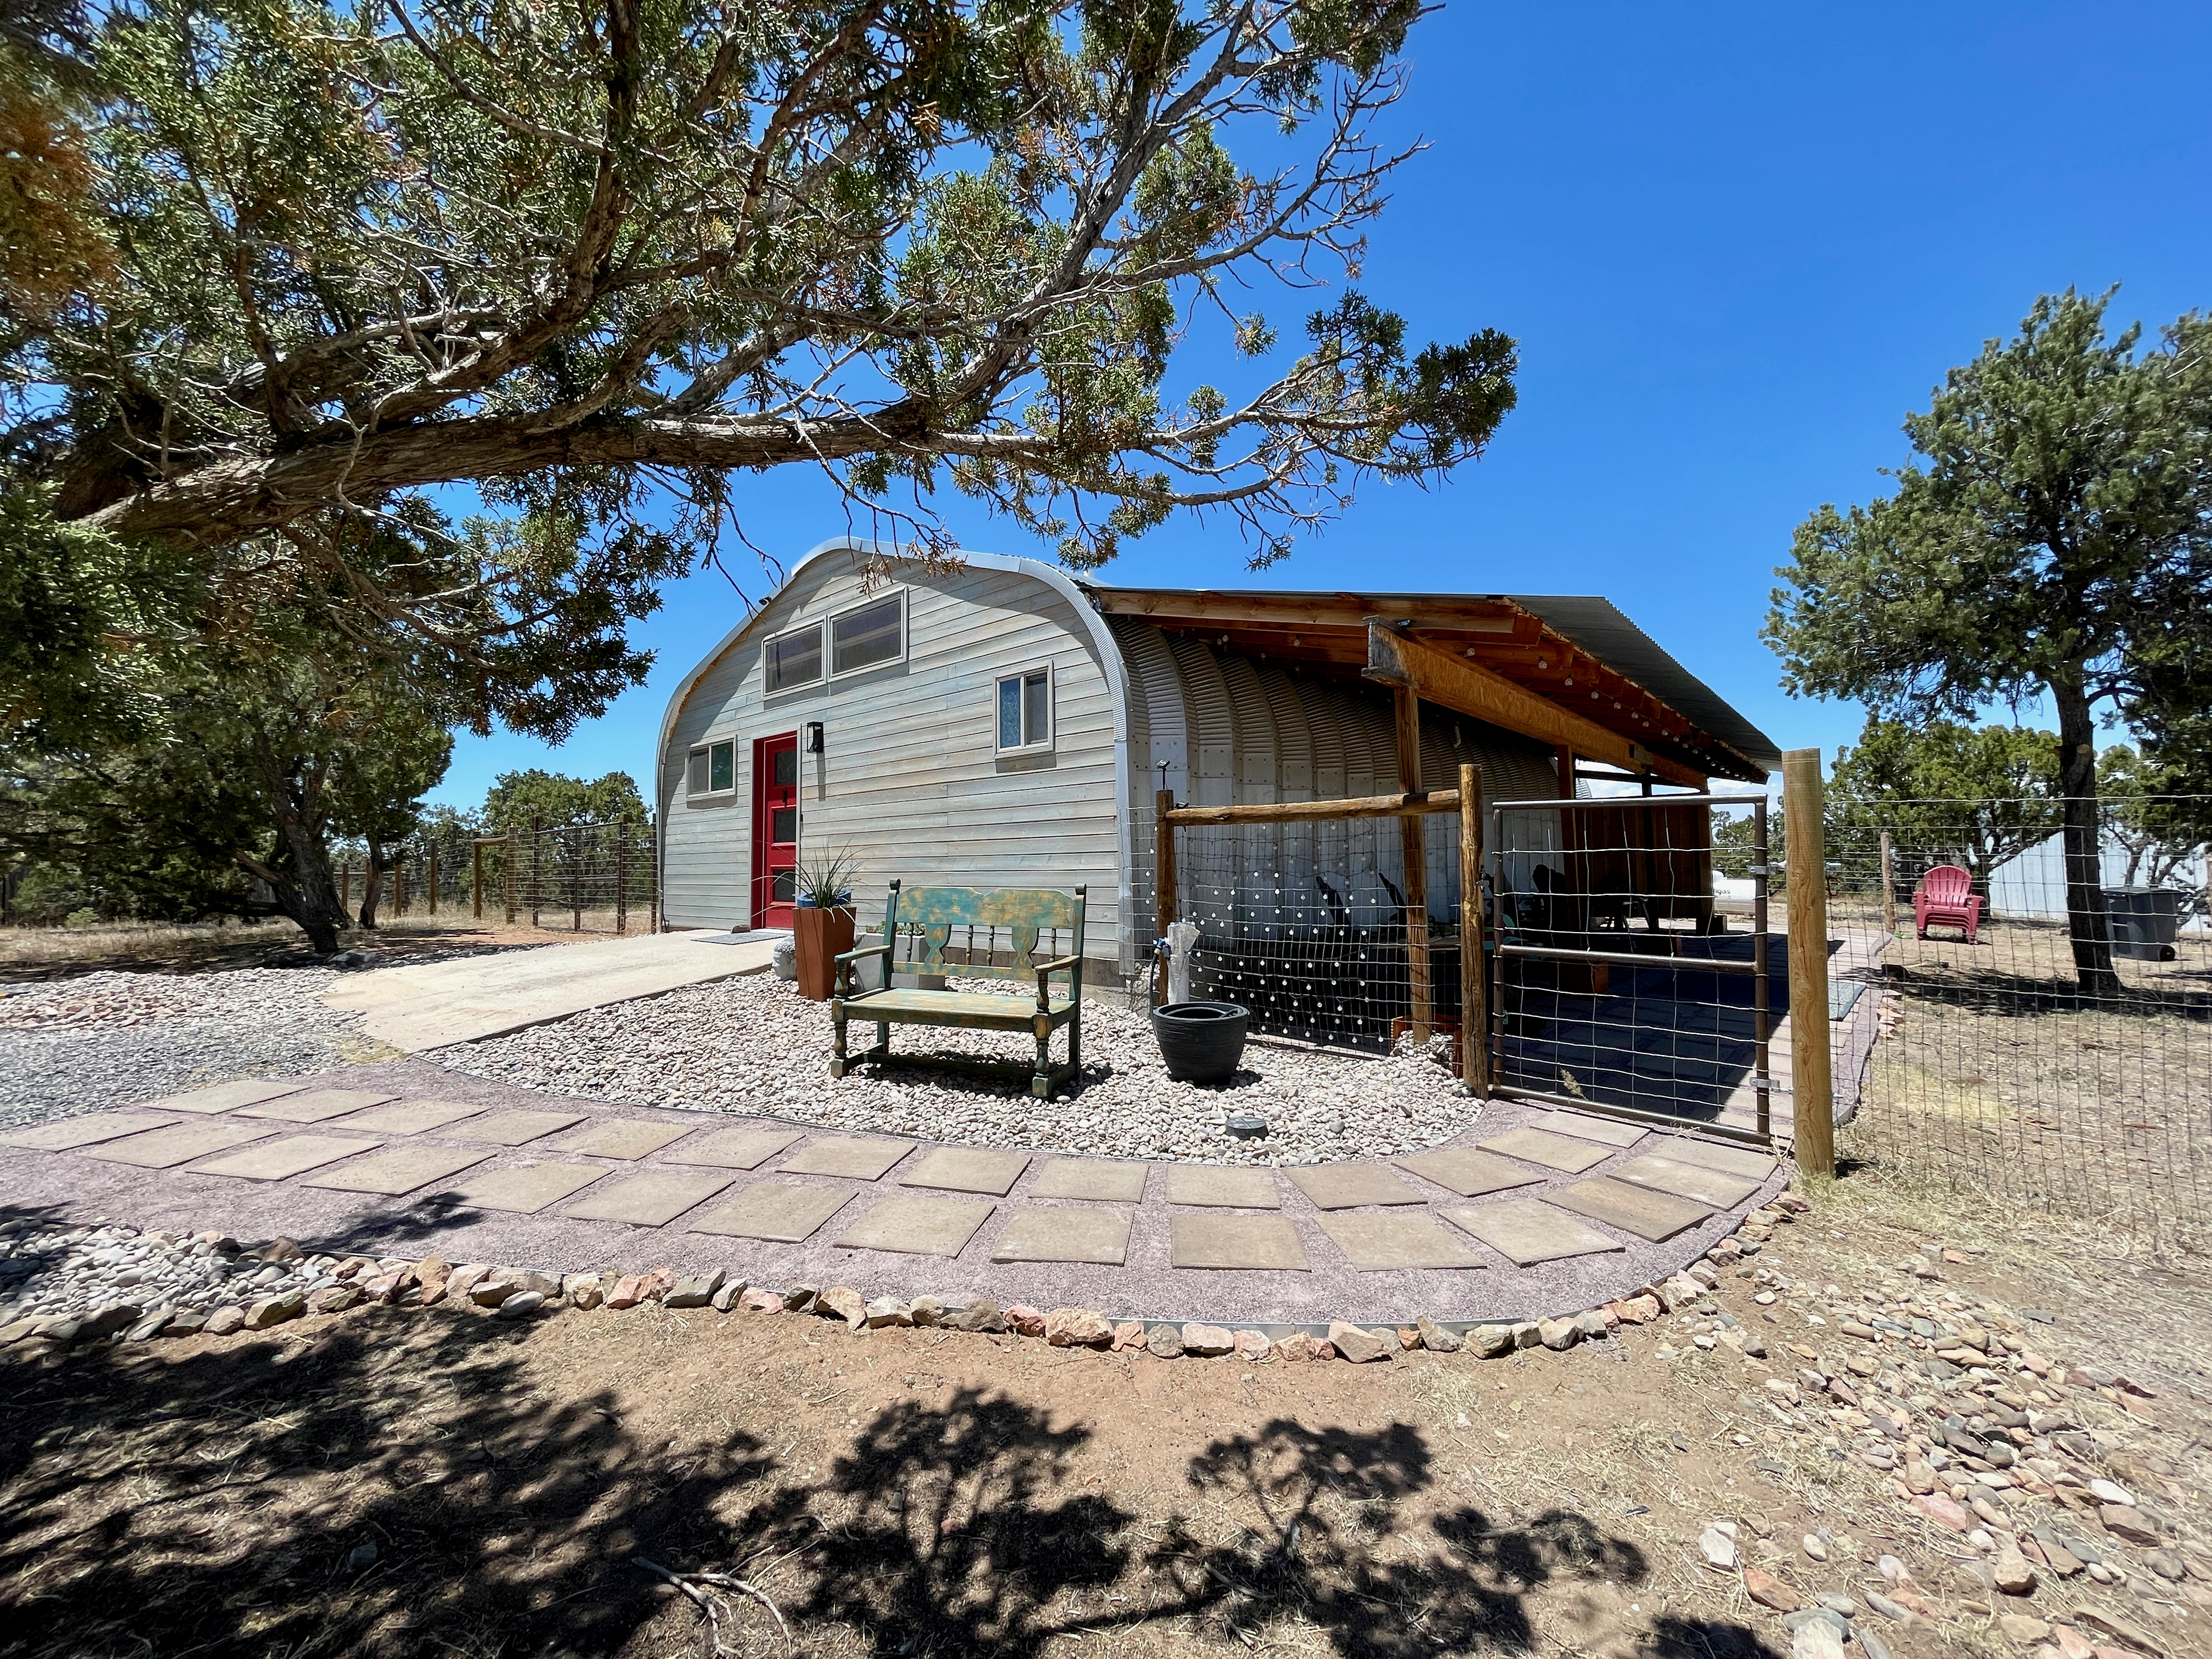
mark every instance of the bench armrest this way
{"type": "Point", "coordinates": [844, 956]}
{"type": "Point", "coordinates": [841, 969]}
{"type": "Point", "coordinates": [1072, 966]}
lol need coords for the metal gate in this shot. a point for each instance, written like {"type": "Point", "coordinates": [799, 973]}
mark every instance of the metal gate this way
{"type": "Point", "coordinates": [1589, 1011]}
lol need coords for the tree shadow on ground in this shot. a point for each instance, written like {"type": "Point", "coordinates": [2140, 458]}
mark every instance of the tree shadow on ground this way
{"type": "Point", "coordinates": [393, 1484]}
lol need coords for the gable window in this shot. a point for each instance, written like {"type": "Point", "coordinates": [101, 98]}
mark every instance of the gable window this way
{"type": "Point", "coordinates": [1025, 711]}
{"type": "Point", "coordinates": [795, 659]}
{"type": "Point", "coordinates": [713, 768]}
{"type": "Point", "coordinates": [868, 635]}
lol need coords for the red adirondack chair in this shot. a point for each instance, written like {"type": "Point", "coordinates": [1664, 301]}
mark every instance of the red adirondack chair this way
{"type": "Point", "coordinates": [1946, 896]}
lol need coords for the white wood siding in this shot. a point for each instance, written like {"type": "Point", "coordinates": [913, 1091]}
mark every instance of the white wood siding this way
{"type": "Point", "coordinates": [909, 780]}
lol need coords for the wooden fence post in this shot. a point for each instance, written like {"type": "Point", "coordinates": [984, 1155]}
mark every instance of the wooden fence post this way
{"type": "Point", "coordinates": [576, 879]}
{"type": "Point", "coordinates": [433, 878]}
{"type": "Point", "coordinates": [507, 862]}
{"type": "Point", "coordinates": [1164, 877]}
{"type": "Point", "coordinates": [475, 877]}
{"type": "Point", "coordinates": [622, 879]}
{"type": "Point", "coordinates": [537, 866]}
{"type": "Point", "coordinates": [1473, 977]}
{"type": "Point", "coordinates": [1889, 886]}
{"type": "Point", "coordinates": [345, 887]}
{"type": "Point", "coordinates": [1812, 1105]}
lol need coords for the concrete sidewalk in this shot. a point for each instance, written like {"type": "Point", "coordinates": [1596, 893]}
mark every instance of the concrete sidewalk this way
{"type": "Point", "coordinates": [436, 1004]}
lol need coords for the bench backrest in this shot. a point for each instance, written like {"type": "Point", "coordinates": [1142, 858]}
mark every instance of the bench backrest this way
{"type": "Point", "coordinates": [1947, 883]}
{"type": "Point", "coordinates": [919, 923]}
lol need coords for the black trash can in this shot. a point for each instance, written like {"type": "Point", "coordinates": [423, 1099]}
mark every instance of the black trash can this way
{"type": "Point", "coordinates": [2144, 921]}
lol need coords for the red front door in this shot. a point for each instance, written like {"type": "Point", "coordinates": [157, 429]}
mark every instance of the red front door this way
{"type": "Point", "coordinates": [775, 829]}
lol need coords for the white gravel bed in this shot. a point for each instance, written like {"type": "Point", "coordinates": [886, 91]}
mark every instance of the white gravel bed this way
{"type": "Point", "coordinates": [755, 1046]}
{"type": "Point", "coordinates": [102, 1040]}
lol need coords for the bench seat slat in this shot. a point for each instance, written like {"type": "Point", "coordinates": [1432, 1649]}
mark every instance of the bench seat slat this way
{"type": "Point", "coordinates": [978, 1009]}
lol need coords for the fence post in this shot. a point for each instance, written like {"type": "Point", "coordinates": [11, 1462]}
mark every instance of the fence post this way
{"type": "Point", "coordinates": [1812, 1105]}
{"type": "Point", "coordinates": [537, 866]}
{"type": "Point", "coordinates": [653, 862]}
{"type": "Point", "coordinates": [621, 882]}
{"type": "Point", "coordinates": [1474, 986]}
{"type": "Point", "coordinates": [1163, 876]}
{"type": "Point", "coordinates": [1889, 886]}
{"type": "Point", "coordinates": [433, 878]}
{"type": "Point", "coordinates": [507, 862]}
{"type": "Point", "coordinates": [345, 886]}
{"type": "Point", "coordinates": [475, 877]}
{"type": "Point", "coordinates": [576, 879]}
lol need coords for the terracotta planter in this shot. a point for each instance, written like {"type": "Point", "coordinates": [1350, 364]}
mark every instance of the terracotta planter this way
{"type": "Point", "coordinates": [820, 937]}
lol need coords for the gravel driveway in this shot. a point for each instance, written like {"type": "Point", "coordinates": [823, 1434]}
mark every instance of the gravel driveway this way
{"type": "Point", "coordinates": [84, 1044]}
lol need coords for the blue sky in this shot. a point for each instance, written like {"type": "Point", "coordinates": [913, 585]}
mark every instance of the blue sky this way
{"type": "Point", "coordinates": [1736, 244]}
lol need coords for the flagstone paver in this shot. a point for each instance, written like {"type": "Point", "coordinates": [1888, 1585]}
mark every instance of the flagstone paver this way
{"type": "Point", "coordinates": [1236, 1241]}
{"type": "Point", "coordinates": [280, 1160]}
{"type": "Point", "coordinates": [1223, 1187]}
{"type": "Point", "coordinates": [397, 1169]}
{"type": "Point", "coordinates": [1564, 1153]}
{"type": "Point", "coordinates": [1526, 1231]}
{"type": "Point", "coordinates": [968, 1170]}
{"type": "Point", "coordinates": [223, 1097]}
{"type": "Point", "coordinates": [1469, 1172]}
{"type": "Point", "coordinates": [917, 1226]}
{"type": "Point", "coordinates": [1055, 1233]}
{"type": "Point", "coordinates": [513, 1128]}
{"type": "Point", "coordinates": [409, 1117]}
{"type": "Point", "coordinates": [1349, 1186]}
{"type": "Point", "coordinates": [314, 1105]}
{"type": "Point", "coordinates": [1102, 1180]}
{"type": "Point", "coordinates": [71, 1133]}
{"type": "Point", "coordinates": [733, 1149]}
{"type": "Point", "coordinates": [848, 1155]}
{"type": "Point", "coordinates": [629, 1138]}
{"type": "Point", "coordinates": [1714, 1155]}
{"type": "Point", "coordinates": [651, 1198]}
{"type": "Point", "coordinates": [780, 1212]}
{"type": "Point", "coordinates": [523, 1191]}
{"type": "Point", "coordinates": [1377, 1243]}
{"type": "Point", "coordinates": [164, 1149]}
{"type": "Point", "coordinates": [1655, 1216]}
{"type": "Point", "coordinates": [1588, 1126]}
{"type": "Point", "coordinates": [1710, 1186]}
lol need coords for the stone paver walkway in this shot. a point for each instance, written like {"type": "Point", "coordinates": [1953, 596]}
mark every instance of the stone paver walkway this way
{"type": "Point", "coordinates": [1532, 1213]}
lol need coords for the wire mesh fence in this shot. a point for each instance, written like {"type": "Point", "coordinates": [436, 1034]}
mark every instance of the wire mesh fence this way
{"type": "Point", "coordinates": [2044, 1006]}
{"type": "Point", "coordinates": [577, 877]}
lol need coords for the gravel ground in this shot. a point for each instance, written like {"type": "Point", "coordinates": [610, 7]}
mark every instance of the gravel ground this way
{"type": "Point", "coordinates": [103, 1040]}
{"type": "Point", "coordinates": [55, 1270]}
{"type": "Point", "coordinates": [755, 1046]}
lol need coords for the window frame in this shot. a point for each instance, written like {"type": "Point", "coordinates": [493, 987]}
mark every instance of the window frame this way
{"type": "Point", "coordinates": [830, 671]}
{"type": "Point", "coordinates": [820, 628]}
{"type": "Point", "coordinates": [707, 749]}
{"type": "Point", "coordinates": [1021, 676]}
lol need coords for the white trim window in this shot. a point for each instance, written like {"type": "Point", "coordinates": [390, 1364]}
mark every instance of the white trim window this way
{"type": "Point", "coordinates": [1022, 707]}
{"type": "Point", "coordinates": [868, 635]}
{"type": "Point", "coordinates": [713, 770]}
{"type": "Point", "coordinates": [792, 658]}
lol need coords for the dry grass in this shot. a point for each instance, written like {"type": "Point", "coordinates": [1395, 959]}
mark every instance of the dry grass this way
{"type": "Point", "coordinates": [1992, 1076]}
{"type": "Point", "coordinates": [40, 953]}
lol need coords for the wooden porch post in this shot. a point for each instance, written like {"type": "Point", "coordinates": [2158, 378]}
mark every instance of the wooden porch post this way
{"type": "Point", "coordinates": [1163, 875]}
{"type": "Point", "coordinates": [1407, 708]}
{"type": "Point", "coordinates": [1473, 971]}
{"type": "Point", "coordinates": [1813, 1104]}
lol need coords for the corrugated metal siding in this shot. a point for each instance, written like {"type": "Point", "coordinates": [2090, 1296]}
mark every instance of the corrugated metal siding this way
{"type": "Point", "coordinates": [1264, 734]}
{"type": "Point", "coordinates": [909, 780]}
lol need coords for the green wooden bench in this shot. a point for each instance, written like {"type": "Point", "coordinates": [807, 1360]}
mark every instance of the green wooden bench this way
{"type": "Point", "coordinates": [925, 918]}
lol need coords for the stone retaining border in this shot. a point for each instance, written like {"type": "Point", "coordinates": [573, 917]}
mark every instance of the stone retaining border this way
{"type": "Point", "coordinates": [338, 1285]}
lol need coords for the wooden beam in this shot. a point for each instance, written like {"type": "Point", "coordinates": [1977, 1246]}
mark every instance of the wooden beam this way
{"type": "Point", "coordinates": [1323, 811]}
{"type": "Point", "coordinates": [1413, 855]}
{"type": "Point", "coordinates": [1812, 1084]}
{"type": "Point", "coordinates": [1455, 683]}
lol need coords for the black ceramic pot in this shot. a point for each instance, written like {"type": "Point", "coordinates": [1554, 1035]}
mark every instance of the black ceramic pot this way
{"type": "Point", "coordinates": [1200, 1042]}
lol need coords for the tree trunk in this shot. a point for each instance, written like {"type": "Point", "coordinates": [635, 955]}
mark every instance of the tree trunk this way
{"type": "Point", "coordinates": [310, 894]}
{"type": "Point", "coordinates": [2083, 841]}
{"type": "Point", "coordinates": [377, 869]}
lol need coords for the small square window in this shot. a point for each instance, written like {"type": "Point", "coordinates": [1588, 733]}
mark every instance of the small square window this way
{"type": "Point", "coordinates": [713, 770]}
{"type": "Point", "coordinates": [794, 658]}
{"type": "Point", "coordinates": [868, 635]}
{"type": "Point", "coordinates": [1025, 711]}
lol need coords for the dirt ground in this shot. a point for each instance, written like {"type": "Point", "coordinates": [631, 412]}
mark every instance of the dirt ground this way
{"type": "Point", "coordinates": [389, 1482]}
{"type": "Point", "coordinates": [48, 953]}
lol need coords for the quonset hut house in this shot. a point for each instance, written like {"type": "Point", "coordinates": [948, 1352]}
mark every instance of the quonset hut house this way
{"type": "Point", "coordinates": [1004, 724]}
